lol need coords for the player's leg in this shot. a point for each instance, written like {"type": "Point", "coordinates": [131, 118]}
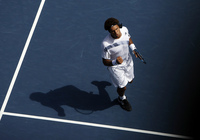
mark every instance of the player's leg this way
{"type": "Point", "coordinates": [119, 80]}
{"type": "Point", "coordinates": [128, 76]}
{"type": "Point", "coordinates": [123, 100]}
{"type": "Point", "coordinates": [121, 91]}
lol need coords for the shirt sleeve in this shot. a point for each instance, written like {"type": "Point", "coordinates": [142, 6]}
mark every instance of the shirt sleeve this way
{"type": "Point", "coordinates": [104, 52]}
{"type": "Point", "coordinates": [132, 46]}
{"type": "Point", "coordinates": [126, 32]}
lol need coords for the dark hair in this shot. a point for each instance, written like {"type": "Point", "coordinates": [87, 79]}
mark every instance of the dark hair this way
{"type": "Point", "coordinates": [110, 22]}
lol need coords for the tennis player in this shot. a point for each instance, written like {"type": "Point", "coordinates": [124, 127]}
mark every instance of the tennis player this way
{"type": "Point", "coordinates": [116, 56]}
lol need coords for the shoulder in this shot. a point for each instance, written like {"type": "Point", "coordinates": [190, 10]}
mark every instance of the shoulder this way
{"type": "Point", "coordinates": [124, 29]}
{"type": "Point", "coordinates": [125, 32]}
{"type": "Point", "coordinates": [107, 41]}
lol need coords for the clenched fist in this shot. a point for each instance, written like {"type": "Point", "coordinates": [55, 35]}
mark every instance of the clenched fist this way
{"type": "Point", "coordinates": [119, 60]}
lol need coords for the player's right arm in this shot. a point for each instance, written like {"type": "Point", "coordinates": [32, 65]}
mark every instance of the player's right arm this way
{"type": "Point", "coordinates": [108, 62]}
{"type": "Point", "coordinates": [106, 56]}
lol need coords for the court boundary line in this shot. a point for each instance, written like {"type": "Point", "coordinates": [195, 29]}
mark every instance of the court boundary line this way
{"type": "Point", "coordinates": [96, 125]}
{"type": "Point", "coordinates": [12, 83]}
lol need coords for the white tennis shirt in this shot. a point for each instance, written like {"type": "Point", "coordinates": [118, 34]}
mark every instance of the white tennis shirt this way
{"type": "Point", "coordinates": [112, 48]}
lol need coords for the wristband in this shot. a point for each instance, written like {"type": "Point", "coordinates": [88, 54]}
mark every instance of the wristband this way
{"type": "Point", "coordinates": [132, 46]}
{"type": "Point", "coordinates": [114, 62]}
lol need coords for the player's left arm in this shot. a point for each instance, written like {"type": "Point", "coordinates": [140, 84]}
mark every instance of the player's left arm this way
{"type": "Point", "coordinates": [131, 42]}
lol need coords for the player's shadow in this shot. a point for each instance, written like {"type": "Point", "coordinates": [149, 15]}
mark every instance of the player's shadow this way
{"type": "Point", "coordinates": [83, 102]}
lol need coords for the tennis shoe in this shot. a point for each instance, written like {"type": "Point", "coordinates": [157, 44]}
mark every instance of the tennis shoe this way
{"type": "Point", "coordinates": [124, 104]}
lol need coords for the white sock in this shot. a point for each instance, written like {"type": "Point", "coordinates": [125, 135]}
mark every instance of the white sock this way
{"type": "Point", "coordinates": [122, 97]}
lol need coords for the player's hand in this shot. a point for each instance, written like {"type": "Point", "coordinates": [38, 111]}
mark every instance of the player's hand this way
{"type": "Point", "coordinates": [136, 54]}
{"type": "Point", "coordinates": [119, 60]}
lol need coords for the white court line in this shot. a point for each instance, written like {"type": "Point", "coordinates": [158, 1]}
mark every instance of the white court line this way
{"type": "Point", "coordinates": [97, 125]}
{"type": "Point", "coordinates": [21, 58]}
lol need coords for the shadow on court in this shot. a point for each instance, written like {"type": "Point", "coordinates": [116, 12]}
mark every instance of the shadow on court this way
{"type": "Point", "coordinates": [78, 99]}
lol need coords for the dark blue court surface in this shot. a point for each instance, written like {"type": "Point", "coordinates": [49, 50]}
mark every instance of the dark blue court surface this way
{"type": "Point", "coordinates": [63, 90]}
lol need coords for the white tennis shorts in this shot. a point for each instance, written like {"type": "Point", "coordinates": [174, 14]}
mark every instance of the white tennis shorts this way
{"type": "Point", "coordinates": [121, 74]}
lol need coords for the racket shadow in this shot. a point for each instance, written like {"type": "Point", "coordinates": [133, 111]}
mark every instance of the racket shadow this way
{"type": "Point", "coordinates": [72, 96]}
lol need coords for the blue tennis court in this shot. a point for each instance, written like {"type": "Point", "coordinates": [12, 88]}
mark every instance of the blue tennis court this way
{"type": "Point", "coordinates": [55, 86]}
